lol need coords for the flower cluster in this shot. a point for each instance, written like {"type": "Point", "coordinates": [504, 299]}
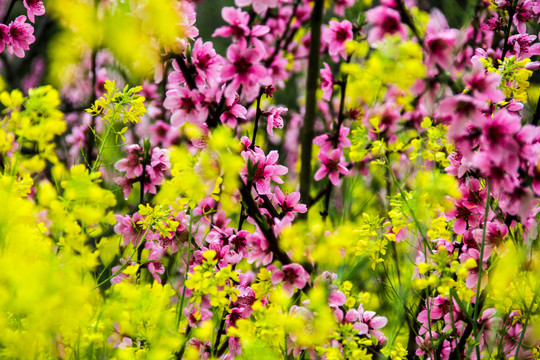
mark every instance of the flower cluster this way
{"type": "Point", "coordinates": [319, 180]}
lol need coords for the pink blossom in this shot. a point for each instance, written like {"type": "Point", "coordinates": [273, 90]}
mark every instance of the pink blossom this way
{"type": "Point", "coordinates": [163, 134]}
{"type": "Point", "coordinates": [259, 6]}
{"type": "Point", "coordinates": [289, 203]}
{"type": "Point", "coordinates": [461, 108]}
{"type": "Point", "coordinates": [327, 82]}
{"type": "Point", "coordinates": [5, 38]}
{"type": "Point", "coordinates": [233, 111]}
{"type": "Point", "coordinates": [260, 252]}
{"type": "Point", "coordinates": [482, 84]}
{"type": "Point", "coordinates": [440, 46]}
{"type": "Point", "coordinates": [20, 36]}
{"type": "Point", "coordinates": [244, 69]}
{"type": "Point", "coordinates": [156, 252]}
{"type": "Point", "coordinates": [34, 8]}
{"type": "Point", "coordinates": [326, 143]}
{"type": "Point", "coordinates": [118, 339]}
{"type": "Point", "coordinates": [132, 164]}
{"type": "Point", "coordinates": [274, 119]}
{"type": "Point", "coordinates": [332, 165]}
{"type": "Point", "coordinates": [337, 298]}
{"type": "Point", "coordinates": [263, 169]}
{"type": "Point", "coordinates": [340, 5]}
{"type": "Point", "coordinates": [186, 106]}
{"type": "Point", "coordinates": [207, 63]}
{"type": "Point", "coordinates": [336, 35]}
{"type": "Point", "coordinates": [367, 323]}
{"type": "Point", "coordinates": [238, 21]}
{"type": "Point", "coordinates": [292, 276]}
{"type": "Point", "coordinates": [385, 20]}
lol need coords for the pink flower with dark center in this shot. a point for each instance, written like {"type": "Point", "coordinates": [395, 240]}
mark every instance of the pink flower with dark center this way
{"type": "Point", "coordinates": [336, 35]}
{"type": "Point", "coordinates": [132, 164]}
{"type": "Point", "coordinates": [244, 69]}
{"type": "Point", "coordinates": [238, 21]}
{"type": "Point", "coordinates": [156, 252]}
{"type": "Point", "coordinates": [5, 38]}
{"type": "Point", "coordinates": [34, 8]}
{"type": "Point", "coordinates": [186, 106]}
{"type": "Point", "coordinates": [385, 20]}
{"type": "Point", "coordinates": [289, 203]}
{"type": "Point", "coordinates": [163, 134]}
{"type": "Point", "coordinates": [259, 6]}
{"type": "Point", "coordinates": [461, 108]}
{"type": "Point", "coordinates": [274, 119]}
{"type": "Point", "coordinates": [327, 82]}
{"type": "Point", "coordinates": [259, 252]}
{"type": "Point", "coordinates": [439, 47]}
{"type": "Point", "coordinates": [367, 323]}
{"type": "Point", "coordinates": [233, 111]}
{"type": "Point", "coordinates": [340, 5]}
{"type": "Point", "coordinates": [129, 229]}
{"type": "Point", "coordinates": [521, 46]}
{"type": "Point", "coordinates": [207, 63]}
{"type": "Point", "coordinates": [482, 84]}
{"type": "Point", "coordinates": [292, 276]}
{"type": "Point", "coordinates": [325, 140]}
{"type": "Point", "coordinates": [20, 36]}
{"type": "Point", "coordinates": [332, 165]}
{"type": "Point", "coordinates": [463, 218]}
{"type": "Point", "coordinates": [264, 169]}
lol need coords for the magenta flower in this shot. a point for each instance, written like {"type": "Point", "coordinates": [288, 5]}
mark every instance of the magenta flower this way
{"type": "Point", "coordinates": [336, 35]}
{"type": "Point", "coordinates": [327, 82]}
{"type": "Point", "coordinates": [461, 108]}
{"type": "Point", "coordinates": [259, 252]}
{"type": "Point", "coordinates": [5, 38]}
{"type": "Point", "coordinates": [238, 21]}
{"type": "Point", "coordinates": [385, 20]}
{"type": "Point", "coordinates": [20, 36]}
{"type": "Point", "coordinates": [292, 276]}
{"type": "Point", "coordinates": [337, 298]}
{"type": "Point", "coordinates": [325, 140]}
{"type": "Point", "coordinates": [207, 63]}
{"type": "Point", "coordinates": [266, 169]}
{"type": "Point", "coordinates": [439, 47]}
{"type": "Point", "coordinates": [156, 252]}
{"type": "Point", "coordinates": [332, 165]}
{"type": "Point", "coordinates": [289, 203]}
{"type": "Point", "coordinates": [117, 338]}
{"type": "Point", "coordinates": [34, 8]}
{"type": "Point", "coordinates": [132, 164]}
{"type": "Point", "coordinates": [259, 6]}
{"type": "Point", "coordinates": [244, 69]}
{"type": "Point", "coordinates": [367, 323]}
{"type": "Point", "coordinates": [163, 134]}
{"type": "Point", "coordinates": [340, 5]}
{"type": "Point", "coordinates": [274, 119]}
{"type": "Point", "coordinates": [186, 106]}
{"type": "Point", "coordinates": [233, 111]}
{"type": "Point", "coordinates": [482, 84]}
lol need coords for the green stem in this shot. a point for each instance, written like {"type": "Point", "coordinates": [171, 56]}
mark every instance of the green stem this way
{"type": "Point", "coordinates": [181, 303]}
{"type": "Point", "coordinates": [480, 269]}
{"type": "Point", "coordinates": [97, 164]}
{"type": "Point", "coordinates": [525, 324]}
{"type": "Point", "coordinates": [128, 260]}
